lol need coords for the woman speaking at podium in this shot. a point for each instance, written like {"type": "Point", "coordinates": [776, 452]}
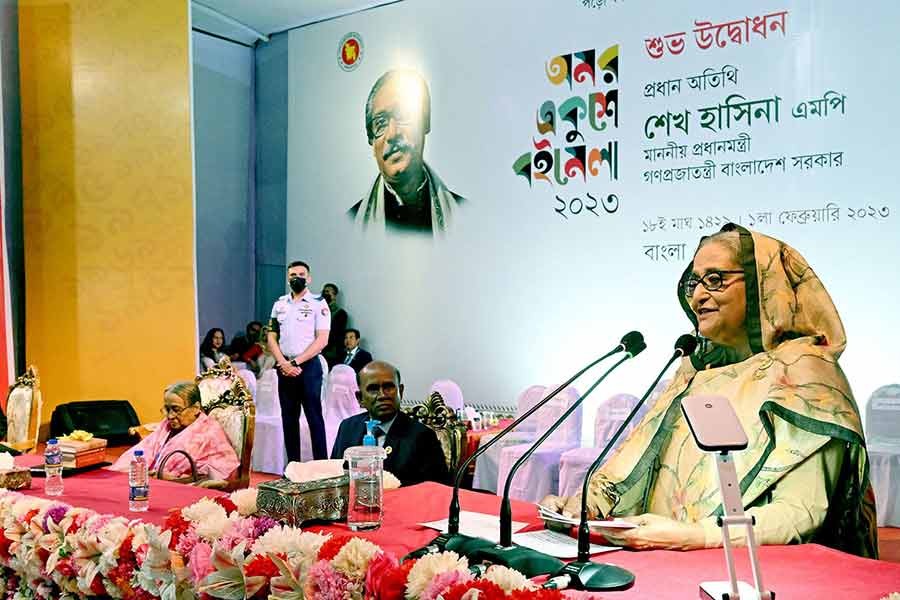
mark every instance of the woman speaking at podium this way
{"type": "Point", "coordinates": [770, 338]}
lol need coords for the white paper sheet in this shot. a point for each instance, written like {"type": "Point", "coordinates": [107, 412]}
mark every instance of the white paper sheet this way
{"type": "Point", "coordinates": [555, 544]}
{"type": "Point", "coordinates": [477, 525]}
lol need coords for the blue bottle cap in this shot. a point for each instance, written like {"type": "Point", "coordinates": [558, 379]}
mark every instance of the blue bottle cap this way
{"type": "Point", "coordinates": [51, 441]}
{"type": "Point", "coordinates": [138, 452]}
{"type": "Point", "coordinates": [369, 438]}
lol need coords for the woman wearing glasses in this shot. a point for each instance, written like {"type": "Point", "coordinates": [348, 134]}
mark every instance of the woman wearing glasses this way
{"type": "Point", "coordinates": [769, 339]}
{"type": "Point", "coordinates": [185, 427]}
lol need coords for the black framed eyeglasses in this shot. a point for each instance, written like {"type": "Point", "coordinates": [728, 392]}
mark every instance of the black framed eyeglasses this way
{"type": "Point", "coordinates": [403, 117]}
{"type": "Point", "coordinates": [713, 281]}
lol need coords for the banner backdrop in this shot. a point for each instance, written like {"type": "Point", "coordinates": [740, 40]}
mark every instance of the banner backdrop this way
{"type": "Point", "coordinates": [567, 157]}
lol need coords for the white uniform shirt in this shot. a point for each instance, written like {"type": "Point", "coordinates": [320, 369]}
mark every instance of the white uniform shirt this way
{"type": "Point", "coordinates": [298, 321]}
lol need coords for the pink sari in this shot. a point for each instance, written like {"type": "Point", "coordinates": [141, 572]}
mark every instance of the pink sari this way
{"type": "Point", "coordinates": [204, 440]}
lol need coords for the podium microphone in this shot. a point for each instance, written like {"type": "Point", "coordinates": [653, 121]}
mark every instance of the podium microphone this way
{"type": "Point", "coordinates": [464, 544]}
{"type": "Point", "coordinates": [530, 562]}
{"type": "Point", "coordinates": [583, 574]}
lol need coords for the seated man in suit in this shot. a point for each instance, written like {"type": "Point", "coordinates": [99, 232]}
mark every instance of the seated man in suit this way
{"type": "Point", "coordinates": [355, 356]}
{"type": "Point", "coordinates": [414, 454]}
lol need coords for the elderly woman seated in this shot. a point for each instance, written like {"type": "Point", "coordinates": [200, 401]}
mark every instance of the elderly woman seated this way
{"type": "Point", "coordinates": [770, 341]}
{"type": "Point", "coordinates": [187, 428]}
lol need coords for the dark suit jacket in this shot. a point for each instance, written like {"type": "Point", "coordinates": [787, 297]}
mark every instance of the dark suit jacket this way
{"type": "Point", "coordinates": [361, 359]}
{"type": "Point", "coordinates": [416, 453]}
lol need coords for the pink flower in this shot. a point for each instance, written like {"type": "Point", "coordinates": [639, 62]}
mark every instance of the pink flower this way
{"type": "Point", "coordinates": [326, 583]}
{"type": "Point", "coordinates": [442, 582]}
{"type": "Point", "coordinates": [200, 562]}
{"type": "Point", "coordinates": [187, 542]}
{"type": "Point", "coordinates": [240, 531]}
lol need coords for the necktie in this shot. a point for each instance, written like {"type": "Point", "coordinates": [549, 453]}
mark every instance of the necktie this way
{"type": "Point", "coordinates": [379, 434]}
{"type": "Point", "coordinates": [348, 358]}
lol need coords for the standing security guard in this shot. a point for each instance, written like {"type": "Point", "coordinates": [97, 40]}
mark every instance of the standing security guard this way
{"type": "Point", "coordinates": [298, 331]}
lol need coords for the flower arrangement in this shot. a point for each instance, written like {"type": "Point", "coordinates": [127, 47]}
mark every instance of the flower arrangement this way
{"type": "Point", "coordinates": [219, 548]}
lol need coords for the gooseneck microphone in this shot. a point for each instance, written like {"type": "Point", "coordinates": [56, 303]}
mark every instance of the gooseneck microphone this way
{"type": "Point", "coordinates": [530, 562]}
{"type": "Point", "coordinates": [453, 540]}
{"type": "Point", "coordinates": [584, 574]}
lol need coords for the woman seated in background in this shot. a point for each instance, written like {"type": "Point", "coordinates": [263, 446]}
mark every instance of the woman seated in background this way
{"type": "Point", "coordinates": [212, 348]}
{"type": "Point", "coordinates": [185, 427]}
{"type": "Point", "coordinates": [770, 339]}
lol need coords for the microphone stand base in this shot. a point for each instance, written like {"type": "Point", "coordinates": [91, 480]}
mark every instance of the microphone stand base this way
{"type": "Point", "coordinates": [463, 545]}
{"type": "Point", "coordinates": [530, 563]}
{"type": "Point", "coordinates": [596, 577]}
{"type": "Point", "coordinates": [721, 590]}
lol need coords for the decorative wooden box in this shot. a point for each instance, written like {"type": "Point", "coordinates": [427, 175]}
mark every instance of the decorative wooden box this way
{"type": "Point", "coordinates": [296, 503]}
{"type": "Point", "coordinates": [17, 478]}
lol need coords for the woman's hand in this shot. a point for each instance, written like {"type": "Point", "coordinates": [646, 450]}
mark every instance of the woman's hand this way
{"type": "Point", "coordinates": [655, 532]}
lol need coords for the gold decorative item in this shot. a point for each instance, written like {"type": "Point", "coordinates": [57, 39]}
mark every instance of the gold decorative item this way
{"type": "Point", "coordinates": [297, 503]}
{"type": "Point", "coordinates": [452, 434]}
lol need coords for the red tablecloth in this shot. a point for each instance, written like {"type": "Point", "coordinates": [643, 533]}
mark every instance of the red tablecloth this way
{"type": "Point", "coordinates": [107, 492]}
{"type": "Point", "coordinates": [473, 439]}
{"type": "Point", "coordinates": [809, 571]}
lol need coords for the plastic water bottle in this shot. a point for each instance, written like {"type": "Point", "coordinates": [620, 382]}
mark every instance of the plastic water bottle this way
{"type": "Point", "coordinates": [53, 482]}
{"type": "Point", "coordinates": [365, 465]}
{"type": "Point", "coordinates": [138, 484]}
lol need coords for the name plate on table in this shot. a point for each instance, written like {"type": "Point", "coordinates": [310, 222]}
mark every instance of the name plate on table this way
{"type": "Point", "coordinates": [296, 503]}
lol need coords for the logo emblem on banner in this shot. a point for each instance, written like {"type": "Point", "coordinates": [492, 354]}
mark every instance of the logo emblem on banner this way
{"type": "Point", "coordinates": [350, 51]}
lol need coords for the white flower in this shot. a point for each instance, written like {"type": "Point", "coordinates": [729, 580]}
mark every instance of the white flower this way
{"type": "Point", "coordinates": [294, 542]}
{"type": "Point", "coordinates": [213, 526]}
{"type": "Point", "coordinates": [200, 511]}
{"type": "Point", "coordinates": [508, 579]}
{"type": "Point", "coordinates": [390, 481]}
{"type": "Point", "coordinates": [353, 558]}
{"type": "Point", "coordinates": [245, 501]}
{"type": "Point", "coordinates": [430, 565]}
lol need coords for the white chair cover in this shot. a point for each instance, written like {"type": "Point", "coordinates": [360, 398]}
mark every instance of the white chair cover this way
{"type": "Point", "coordinates": [267, 394]}
{"type": "Point", "coordinates": [574, 463]}
{"type": "Point", "coordinates": [249, 379]}
{"type": "Point", "coordinates": [487, 465]}
{"type": "Point", "coordinates": [340, 400]}
{"type": "Point", "coordinates": [539, 475]}
{"type": "Point", "coordinates": [18, 415]}
{"type": "Point", "coordinates": [883, 441]}
{"type": "Point", "coordinates": [450, 392]}
{"type": "Point", "coordinates": [269, 453]}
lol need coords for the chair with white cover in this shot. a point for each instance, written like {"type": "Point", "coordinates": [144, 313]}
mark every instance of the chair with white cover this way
{"type": "Point", "coordinates": [225, 398]}
{"type": "Point", "coordinates": [305, 441]}
{"type": "Point", "coordinates": [539, 475]}
{"type": "Point", "coordinates": [23, 412]}
{"type": "Point", "coordinates": [450, 392]}
{"type": "Point", "coordinates": [249, 379]}
{"type": "Point", "coordinates": [487, 465]}
{"type": "Point", "coordinates": [574, 463]}
{"type": "Point", "coordinates": [340, 400]}
{"type": "Point", "coordinates": [883, 442]}
{"type": "Point", "coordinates": [269, 453]}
